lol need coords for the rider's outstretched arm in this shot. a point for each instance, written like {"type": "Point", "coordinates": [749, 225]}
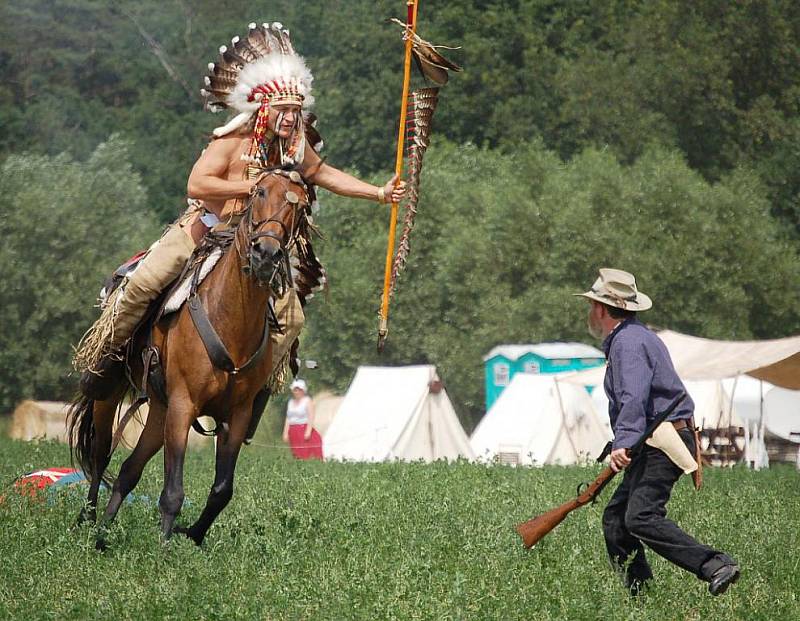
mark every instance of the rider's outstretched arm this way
{"type": "Point", "coordinates": [208, 180]}
{"type": "Point", "coordinates": [343, 184]}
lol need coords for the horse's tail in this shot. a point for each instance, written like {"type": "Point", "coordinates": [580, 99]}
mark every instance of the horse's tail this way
{"type": "Point", "coordinates": [81, 434]}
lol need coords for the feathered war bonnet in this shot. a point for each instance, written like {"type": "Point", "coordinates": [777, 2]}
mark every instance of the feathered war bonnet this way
{"type": "Point", "coordinates": [254, 73]}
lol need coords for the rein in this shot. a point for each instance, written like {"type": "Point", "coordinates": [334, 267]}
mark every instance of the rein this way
{"type": "Point", "coordinates": [217, 352]}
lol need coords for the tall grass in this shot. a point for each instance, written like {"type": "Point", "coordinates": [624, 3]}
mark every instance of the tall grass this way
{"type": "Point", "coordinates": [386, 541]}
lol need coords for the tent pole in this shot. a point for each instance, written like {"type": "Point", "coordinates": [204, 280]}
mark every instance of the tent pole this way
{"type": "Point", "coordinates": [747, 443]}
{"type": "Point", "coordinates": [430, 428]}
{"type": "Point", "coordinates": [730, 409]}
{"type": "Point", "coordinates": [761, 426]}
{"type": "Point", "coordinates": [564, 423]}
{"type": "Point", "coordinates": [730, 405]}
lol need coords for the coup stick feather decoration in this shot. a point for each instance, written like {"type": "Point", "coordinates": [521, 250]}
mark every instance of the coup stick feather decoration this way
{"type": "Point", "coordinates": [421, 106]}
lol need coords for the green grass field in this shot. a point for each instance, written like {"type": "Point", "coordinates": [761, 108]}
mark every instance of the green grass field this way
{"type": "Point", "coordinates": [388, 541]}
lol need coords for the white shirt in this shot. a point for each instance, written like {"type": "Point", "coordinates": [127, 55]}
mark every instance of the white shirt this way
{"type": "Point", "coordinates": [297, 411]}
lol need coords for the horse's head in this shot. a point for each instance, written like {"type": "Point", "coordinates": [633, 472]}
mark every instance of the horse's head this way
{"type": "Point", "coordinates": [275, 211]}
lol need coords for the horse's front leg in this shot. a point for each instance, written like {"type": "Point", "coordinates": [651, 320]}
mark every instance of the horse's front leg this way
{"type": "Point", "coordinates": [228, 446]}
{"type": "Point", "coordinates": [180, 414]}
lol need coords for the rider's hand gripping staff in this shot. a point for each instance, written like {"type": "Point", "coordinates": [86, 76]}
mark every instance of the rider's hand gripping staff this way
{"type": "Point", "coordinates": [536, 528]}
{"type": "Point", "coordinates": [416, 112]}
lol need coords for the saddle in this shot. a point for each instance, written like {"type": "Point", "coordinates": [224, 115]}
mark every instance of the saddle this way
{"type": "Point", "coordinates": [116, 278]}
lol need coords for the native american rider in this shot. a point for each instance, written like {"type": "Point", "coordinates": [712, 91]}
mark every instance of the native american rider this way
{"type": "Point", "coordinates": [263, 79]}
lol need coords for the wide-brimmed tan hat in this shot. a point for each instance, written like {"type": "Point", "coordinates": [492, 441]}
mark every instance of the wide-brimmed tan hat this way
{"type": "Point", "coordinates": [618, 288]}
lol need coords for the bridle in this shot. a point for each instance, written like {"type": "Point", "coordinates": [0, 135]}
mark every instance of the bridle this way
{"type": "Point", "coordinates": [281, 278]}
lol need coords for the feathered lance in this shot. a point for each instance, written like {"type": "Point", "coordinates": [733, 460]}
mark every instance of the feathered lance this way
{"type": "Point", "coordinates": [414, 132]}
{"type": "Point", "coordinates": [411, 26]}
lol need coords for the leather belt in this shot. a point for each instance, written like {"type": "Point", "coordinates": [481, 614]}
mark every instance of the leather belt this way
{"type": "Point", "coordinates": [679, 424]}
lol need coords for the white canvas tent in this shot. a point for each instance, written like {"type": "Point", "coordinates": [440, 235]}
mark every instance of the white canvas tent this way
{"type": "Point", "coordinates": [326, 405]}
{"type": "Point", "coordinates": [782, 408]}
{"type": "Point", "coordinates": [776, 361]}
{"type": "Point", "coordinates": [782, 419]}
{"type": "Point", "coordinates": [713, 408]}
{"type": "Point", "coordinates": [747, 396]}
{"type": "Point", "coordinates": [723, 439]}
{"type": "Point", "coordinates": [540, 420]}
{"type": "Point", "coordinates": [695, 358]}
{"type": "Point", "coordinates": [771, 417]}
{"type": "Point", "coordinates": [396, 413]}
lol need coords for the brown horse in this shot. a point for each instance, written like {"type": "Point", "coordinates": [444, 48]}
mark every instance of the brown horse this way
{"type": "Point", "coordinates": [235, 297]}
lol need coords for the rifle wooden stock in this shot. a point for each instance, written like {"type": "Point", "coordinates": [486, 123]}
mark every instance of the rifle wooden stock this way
{"type": "Point", "coordinates": [533, 530]}
{"type": "Point", "coordinates": [536, 528]}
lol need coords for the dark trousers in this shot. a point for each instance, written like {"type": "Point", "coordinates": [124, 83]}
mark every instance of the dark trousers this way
{"type": "Point", "coordinates": [637, 514]}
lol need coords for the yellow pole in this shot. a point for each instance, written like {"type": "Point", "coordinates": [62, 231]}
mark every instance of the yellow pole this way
{"type": "Point", "coordinates": [383, 326]}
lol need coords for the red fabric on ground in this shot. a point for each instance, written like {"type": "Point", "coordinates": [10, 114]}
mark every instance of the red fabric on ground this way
{"type": "Point", "coordinates": [32, 482]}
{"type": "Point", "coordinates": [302, 448]}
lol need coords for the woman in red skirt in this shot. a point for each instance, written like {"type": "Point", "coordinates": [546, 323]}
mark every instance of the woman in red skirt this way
{"type": "Point", "coordinates": [298, 430]}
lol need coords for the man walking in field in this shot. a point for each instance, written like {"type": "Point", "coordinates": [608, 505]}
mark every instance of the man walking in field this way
{"type": "Point", "coordinates": [641, 381]}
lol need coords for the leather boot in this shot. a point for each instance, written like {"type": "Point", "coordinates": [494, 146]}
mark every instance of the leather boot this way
{"type": "Point", "coordinates": [99, 384]}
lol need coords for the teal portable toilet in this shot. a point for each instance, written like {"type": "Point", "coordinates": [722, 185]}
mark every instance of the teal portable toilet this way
{"type": "Point", "coordinates": [505, 361]}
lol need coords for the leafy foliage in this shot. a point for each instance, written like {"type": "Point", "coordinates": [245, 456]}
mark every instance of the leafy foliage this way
{"type": "Point", "coordinates": [67, 224]}
{"type": "Point", "coordinates": [718, 80]}
{"type": "Point", "coordinates": [503, 258]}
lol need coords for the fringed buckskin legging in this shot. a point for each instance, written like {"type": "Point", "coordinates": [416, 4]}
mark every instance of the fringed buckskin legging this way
{"type": "Point", "coordinates": [162, 264]}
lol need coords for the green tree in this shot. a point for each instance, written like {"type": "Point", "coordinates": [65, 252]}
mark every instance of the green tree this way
{"type": "Point", "coordinates": [68, 224]}
{"type": "Point", "coordinates": [503, 241]}
{"type": "Point", "coordinates": [715, 79]}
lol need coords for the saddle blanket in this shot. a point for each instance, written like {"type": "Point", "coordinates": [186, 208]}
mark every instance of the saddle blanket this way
{"type": "Point", "coordinates": [181, 292]}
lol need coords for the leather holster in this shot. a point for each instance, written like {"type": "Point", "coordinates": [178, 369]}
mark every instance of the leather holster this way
{"type": "Point", "coordinates": [668, 440]}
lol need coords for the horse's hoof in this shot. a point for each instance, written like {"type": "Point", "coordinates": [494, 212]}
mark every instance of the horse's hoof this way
{"type": "Point", "coordinates": [84, 517]}
{"type": "Point", "coordinates": [187, 532]}
{"type": "Point", "coordinates": [100, 545]}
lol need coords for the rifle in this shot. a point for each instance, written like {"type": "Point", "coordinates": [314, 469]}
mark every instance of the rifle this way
{"type": "Point", "coordinates": [536, 528]}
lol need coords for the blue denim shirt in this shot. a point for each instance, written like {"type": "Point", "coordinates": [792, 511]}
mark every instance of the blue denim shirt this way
{"type": "Point", "coordinates": [640, 382]}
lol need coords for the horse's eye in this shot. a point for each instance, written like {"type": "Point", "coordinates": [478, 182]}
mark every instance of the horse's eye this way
{"type": "Point", "coordinates": [261, 192]}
